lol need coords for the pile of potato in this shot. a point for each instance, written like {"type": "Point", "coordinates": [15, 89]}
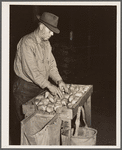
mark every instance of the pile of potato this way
{"type": "Point", "coordinates": [50, 103]}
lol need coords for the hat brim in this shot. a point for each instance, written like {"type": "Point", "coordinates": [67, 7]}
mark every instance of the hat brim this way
{"type": "Point", "coordinates": [52, 28]}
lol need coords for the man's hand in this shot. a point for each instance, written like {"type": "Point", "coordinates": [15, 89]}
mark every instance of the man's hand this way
{"type": "Point", "coordinates": [62, 86]}
{"type": "Point", "coordinates": [55, 90]}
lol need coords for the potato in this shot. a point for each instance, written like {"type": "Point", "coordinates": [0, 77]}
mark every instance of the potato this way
{"type": "Point", "coordinates": [71, 89]}
{"type": "Point", "coordinates": [46, 94]}
{"type": "Point", "coordinates": [59, 101]}
{"type": "Point", "coordinates": [72, 85]}
{"type": "Point", "coordinates": [55, 97]}
{"type": "Point", "coordinates": [59, 109]}
{"type": "Point", "coordinates": [57, 106]}
{"type": "Point", "coordinates": [45, 101]}
{"type": "Point", "coordinates": [63, 92]}
{"type": "Point", "coordinates": [82, 91]}
{"type": "Point", "coordinates": [64, 101]}
{"type": "Point", "coordinates": [51, 105]}
{"type": "Point", "coordinates": [52, 113]}
{"type": "Point", "coordinates": [39, 97]}
{"type": "Point", "coordinates": [68, 86]}
{"type": "Point", "coordinates": [36, 101]}
{"type": "Point", "coordinates": [76, 97]}
{"type": "Point", "coordinates": [74, 89]}
{"type": "Point", "coordinates": [77, 88]}
{"type": "Point", "coordinates": [74, 101]}
{"type": "Point", "coordinates": [51, 98]}
{"type": "Point", "coordinates": [66, 96]}
{"type": "Point", "coordinates": [79, 94]}
{"type": "Point", "coordinates": [40, 103]}
{"type": "Point", "coordinates": [71, 98]}
{"type": "Point", "coordinates": [86, 88]}
{"type": "Point", "coordinates": [49, 109]}
{"type": "Point", "coordinates": [70, 105]}
{"type": "Point", "coordinates": [81, 88]}
{"type": "Point", "coordinates": [42, 107]}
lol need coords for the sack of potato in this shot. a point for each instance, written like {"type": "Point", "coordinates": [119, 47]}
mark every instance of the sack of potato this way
{"type": "Point", "coordinates": [51, 104]}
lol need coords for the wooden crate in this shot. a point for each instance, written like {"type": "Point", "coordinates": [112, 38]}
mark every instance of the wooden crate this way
{"type": "Point", "coordinates": [66, 112]}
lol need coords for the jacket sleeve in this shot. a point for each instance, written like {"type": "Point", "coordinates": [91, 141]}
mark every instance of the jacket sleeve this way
{"type": "Point", "coordinates": [29, 65]}
{"type": "Point", "coordinates": [54, 73]}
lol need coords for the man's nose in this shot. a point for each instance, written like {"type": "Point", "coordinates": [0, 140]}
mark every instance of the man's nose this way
{"type": "Point", "coordinates": [51, 33]}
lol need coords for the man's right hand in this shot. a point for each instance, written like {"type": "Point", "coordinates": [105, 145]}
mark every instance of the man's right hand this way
{"type": "Point", "coordinates": [55, 90]}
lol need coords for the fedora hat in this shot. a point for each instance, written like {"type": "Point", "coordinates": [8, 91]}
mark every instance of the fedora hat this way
{"type": "Point", "coordinates": [50, 21]}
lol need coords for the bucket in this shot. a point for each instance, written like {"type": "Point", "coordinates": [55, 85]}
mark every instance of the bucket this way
{"type": "Point", "coordinates": [82, 135]}
{"type": "Point", "coordinates": [86, 136]}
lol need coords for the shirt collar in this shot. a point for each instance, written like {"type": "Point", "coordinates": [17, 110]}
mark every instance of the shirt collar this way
{"type": "Point", "coordinates": [38, 37]}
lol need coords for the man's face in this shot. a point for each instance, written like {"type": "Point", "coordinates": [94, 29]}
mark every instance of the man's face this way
{"type": "Point", "coordinates": [46, 33]}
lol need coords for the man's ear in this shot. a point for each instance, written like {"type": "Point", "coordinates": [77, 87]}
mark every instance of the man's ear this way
{"type": "Point", "coordinates": [41, 26]}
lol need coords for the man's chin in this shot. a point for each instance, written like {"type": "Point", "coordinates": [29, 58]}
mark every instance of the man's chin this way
{"type": "Point", "coordinates": [45, 39]}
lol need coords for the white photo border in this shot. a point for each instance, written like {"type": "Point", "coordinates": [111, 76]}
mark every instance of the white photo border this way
{"type": "Point", "coordinates": [5, 70]}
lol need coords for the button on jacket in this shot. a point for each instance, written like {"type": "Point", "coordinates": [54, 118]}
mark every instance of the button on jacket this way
{"type": "Point", "coordinates": [34, 61]}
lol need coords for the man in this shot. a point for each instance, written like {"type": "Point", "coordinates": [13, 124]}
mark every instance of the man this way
{"type": "Point", "coordinates": [34, 64]}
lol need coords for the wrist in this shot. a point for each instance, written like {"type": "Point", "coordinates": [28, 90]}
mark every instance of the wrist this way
{"type": "Point", "coordinates": [58, 82]}
{"type": "Point", "coordinates": [49, 85]}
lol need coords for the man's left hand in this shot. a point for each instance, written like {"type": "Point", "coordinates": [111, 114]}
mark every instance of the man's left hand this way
{"type": "Point", "coordinates": [62, 86]}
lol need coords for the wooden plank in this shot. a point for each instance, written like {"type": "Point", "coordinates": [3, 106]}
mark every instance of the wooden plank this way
{"type": "Point", "coordinates": [22, 134]}
{"type": "Point", "coordinates": [66, 114]}
{"type": "Point", "coordinates": [87, 107]}
{"type": "Point", "coordinates": [45, 114]}
{"type": "Point", "coordinates": [82, 100]}
{"type": "Point", "coordinates": [69, 132]}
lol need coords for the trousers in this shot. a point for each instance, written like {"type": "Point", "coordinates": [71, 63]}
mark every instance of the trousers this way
{"type": "Point", "coordinates": [24, 91]}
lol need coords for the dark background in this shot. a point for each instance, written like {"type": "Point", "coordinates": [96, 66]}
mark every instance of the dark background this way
{"type": "Point", "coordinates": [90, 58]}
